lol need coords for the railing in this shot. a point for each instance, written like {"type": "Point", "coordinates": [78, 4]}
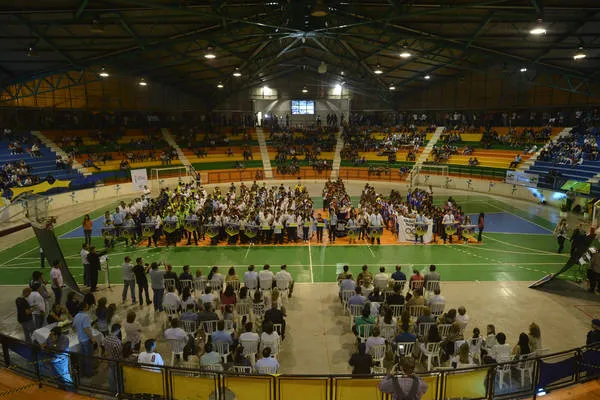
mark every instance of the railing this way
{"type": "Point", "coordinates": [129, 380]}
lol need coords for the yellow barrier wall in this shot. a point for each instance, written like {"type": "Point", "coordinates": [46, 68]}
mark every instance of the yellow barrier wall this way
{"type": "Point", "coordinates": [188, 388]}
{"type": "Point", "coordinates": [357, 389]}
{"type": "Point", "coordinates": [466, 384]}
{"type": "Point", "coordinates": [431, 382]}
{"type": "Point", "coordinates": [250, 387]}
{"type": "Point", "coordinates": [138, 380]}
{"type": "Point", "coordinates": [303, 388]}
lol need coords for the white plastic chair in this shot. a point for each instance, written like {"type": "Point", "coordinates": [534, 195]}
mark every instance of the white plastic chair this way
{"type": "Point", "coordinates": [355, 311]}
{"type": "Point", "coordinates": [414, 285]}
{"type": "Point", "coordinates": [423, 329]}
{"type": "Point", "coordinates": [199, 286]}
{"type": "Point", "coordinates": [397, 310]}
{"type": "Point", "coordinates": [475, 349]}
{"type": "Point", "coordinates": [169, 283]}
{"type": "Point", "coordinates": [432, 352]}
{"type": "Point", "coordinates": [378, 353]}
{"type": "Point", "coordinates": [444, 330]}
{"type": "Point", "coordinates": [437, 309]}
{"type": "Point", "coordinates": [502, 371]}
{"type": "Point", "coordinates": [278, 328]}
{"type": "Point", "coordinates": [375, 370]}
{"type": "Point", "coordinates": [235, 284]}
{"type": "Point", "coordinates": [266, 370]}
{"type": "Point", "coordinates": [176, 349]}
{"type": "Point", "coordinates": [250, 349]}
{"type": "Point", "coordinates": [346, 294]}
{"type": "Point", "coordinates": [190, 327]}
{"type": "Point", "coordinates": [241, 370]}
{"type": "Point", "coordinates": [416, 311]}
{"type": "Point", "coordinates": [431, 286]}
{"type": "Point", "coordinates": [388, 332]}
{"type": "Point", "coordinates": [409, 348]}
{"type": "Point", "coordinates": [216, 286]}
{"type": "Point", "coordinates": [258, 310]}
{"type": "Point", "coordinates": [186, 283]}
{"type": "Point", "coordinates": [525, 367]}
{"type": "Point", "coordinates": [171, 312]}
{"type": "Point", "coordinates": [364, 331]}
{"type": "Point", "coordinates": [189, 365]}
{"type": "Point", "coordinates": [209, 326]}
{"type": "Point", "coordinates": [223, 349]}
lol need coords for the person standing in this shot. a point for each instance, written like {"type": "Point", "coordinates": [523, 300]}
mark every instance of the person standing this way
{"type": "Point", "coordinates": [112, 348]}
{"type": "Point", "coordinates": [140, 271]}
{"type": "Point", "coordinates": [86, 265]}
{"type": "Point", "coordinates": [157, 280]}
{"type": "Point", "coordinates": [87, 225]}
{"type": "Point", "coordinates": [42, 258]}
{"type": "Point", "coordinates": [481, 225]}
{"type": "Point", "coordinates": [83, 327]}
{"type": "Point", "coordinates": [376, 221]}
{"type": "Point", "coordinates": [561, 231]}
{"type": "Point", "coordinates": [409, 386]}
{"type": "Point", "coordinates": [419, 222]}
{"type": "Point", "coordinates": [25, 314]}
{"type": "Point", "coordinates": [57, 281]}
{"type": "Point", "coordinates": [128, 279]}
{"type": "Point", "coordinates": [94, 262]}
{"type": "Point", "coordinates": [447, 221]}
{"type": "Point", "coordinates": [38, 306]}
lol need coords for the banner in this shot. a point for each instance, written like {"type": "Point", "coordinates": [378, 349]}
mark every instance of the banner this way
{"type": "Point", "coordinates": [139, 179]}
{"type": "Point", "coordinates": [521, 178]}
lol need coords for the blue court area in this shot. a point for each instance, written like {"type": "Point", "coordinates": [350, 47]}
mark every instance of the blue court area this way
{"type": "Point", "coordinates": [97, 224]}
{"type": "Point", "coordinates": [503, 222]}
{"type": "Point", "coordinates": [500, 222]}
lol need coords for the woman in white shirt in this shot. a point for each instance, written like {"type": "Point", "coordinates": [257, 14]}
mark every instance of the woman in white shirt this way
{"type": "Point", "coordinates": [133, 331]}
{"type": "Point", "coordinates": [216, 278]}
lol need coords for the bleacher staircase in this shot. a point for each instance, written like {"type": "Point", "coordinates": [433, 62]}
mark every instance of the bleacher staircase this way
{"type": "Point", "coordinates": [171, 141]}
{"type": "Point", "coordinates": [427, 150]}
{"type": "Point", "coordinates": [264, 153]}
{"type": "Point", "coordinates": [525, 165]}
{"type": "Point", "coordinates": [337, 157]}
{"type": "Point", "coordinates": [57, 150]}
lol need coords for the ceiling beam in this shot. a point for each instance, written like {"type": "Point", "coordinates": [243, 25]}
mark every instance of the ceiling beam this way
{"type": "Point", "coordinates": [81, 8]}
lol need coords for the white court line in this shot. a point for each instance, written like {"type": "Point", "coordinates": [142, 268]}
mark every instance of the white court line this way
{"type": "Point", "coordinates": [371, 250]}
{"type": "Point", "coordinates": [539, 252]}
{"type": "Point", "coordinates": [19, 256]}
{"type": "Point", "coordinates": [312, 279]}
{"type": "Point", "coordinates": [518, 216]}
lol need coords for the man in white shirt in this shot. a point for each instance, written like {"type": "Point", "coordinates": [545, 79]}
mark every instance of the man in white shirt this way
{"type": "Point", "coordinates": [128, 279]}
{"type": "Point", "coordinates": [375, 221]}
{"type": "Point", "coordinates": [150, 357]}
{"type": "Point", "coordinates": [38, 305]}
{"type": "Point", "coordinates": [251, 278]}
{"type": "Point", "coordinates": [265, 276]}
{"type": "Point", "coordinates": [57, 281]}
{"type": "Point", "coordinates": [175, 332]}
{"type": "Point", "coordinates": [171, 299]}
{"type": "Point", "coordinates": [86, 266]}
{"type": "Point", "coordinates": [284, 279]}
{"type": "Point", "coordinates": [249, 336]}
{"type": "Point", "coordinates": [267, 362]}
{"type": "Point", "coordinates": [501, 352]}
{"type": "Point", "coordinates": [381, 279]}
{"type": "Point", "coordinates": [208, 297]}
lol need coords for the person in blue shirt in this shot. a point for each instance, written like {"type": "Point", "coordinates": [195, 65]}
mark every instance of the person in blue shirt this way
{"type": "Point", "coordinates": [83, 327]}
{"type": "Point", "coordinates": [333, 220]}
{"type": "Point", "coordinates": [220, 336]}
{"type": "Point", "coordinates": [398, 275]}
{"type": "Point", "coordinates": [58, 361]}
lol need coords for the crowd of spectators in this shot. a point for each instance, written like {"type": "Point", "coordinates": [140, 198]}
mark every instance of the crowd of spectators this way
{"type": "Point", "coordinates": [291, 145]}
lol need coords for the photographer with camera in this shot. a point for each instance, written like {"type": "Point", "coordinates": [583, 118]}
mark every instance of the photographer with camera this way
{"type": "Point", "coordinates": [405, 387]}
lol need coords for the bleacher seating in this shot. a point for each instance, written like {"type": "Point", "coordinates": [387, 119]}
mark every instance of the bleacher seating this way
{"type": "Point", "coordinates": [41, 166]}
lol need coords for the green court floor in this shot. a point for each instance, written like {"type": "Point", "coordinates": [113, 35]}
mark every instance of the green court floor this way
{"type": "Point", "coordinates": [501, 256]}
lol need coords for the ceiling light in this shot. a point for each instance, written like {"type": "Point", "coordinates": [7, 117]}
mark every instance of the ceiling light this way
{"type": "Point", "coordinates": [31, 51]}
{"type": "Point", "coordinates": [378, 70]}
{"type": "Point", "coordinates": [427, 77]}
{"type": "Point", "coordinates": [523, 69]}
{"type": "Point", "coordinates": [392, 87]}
{"type": "Point", "coordinates": [342, 73]}
{"type": "Point", "coordinates": [210, 54]}
{"type": "Point", "coordinates": [237, 73]}
{"type": "Point", "coordinates": [579, 54]}
{"type": "Point", "coordinates": [319, 10]}
{"type": "Point", "coordinates": [220, 85]}
{"type": "Point", "coordinates": [538, 29]}
{"type": "Point", "coordinates": [103, 73]}
{"type": "Point", "coordinates": [142, 82]}
{"type": "Point", "coordinates": [405, 54]}
{"type": "Point", "coordinates": [304, 90]}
